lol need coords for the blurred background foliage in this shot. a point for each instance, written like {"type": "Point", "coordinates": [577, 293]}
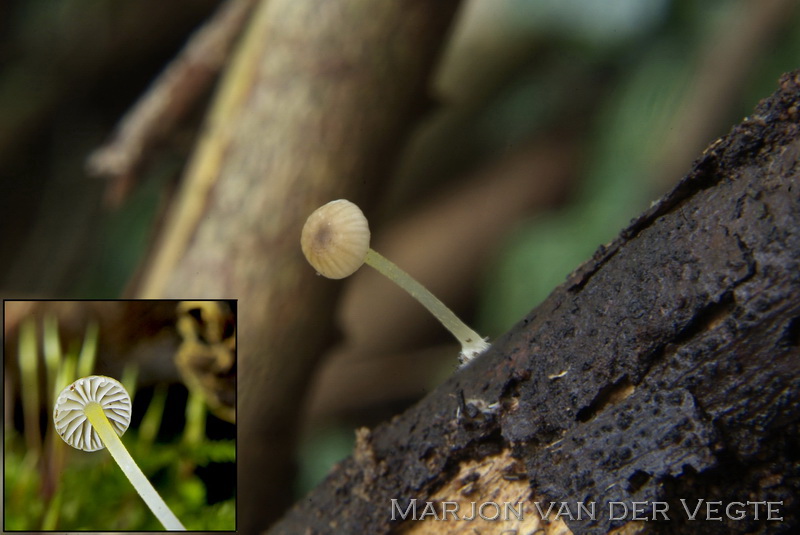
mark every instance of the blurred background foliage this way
{"type": "Point", "coordinates": [52, 486]}
{"type": "Point", "coordinates": [553, 123]}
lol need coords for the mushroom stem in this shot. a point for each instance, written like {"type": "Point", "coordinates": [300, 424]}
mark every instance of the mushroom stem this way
{"type": "Point", "coordinates": [335, 241]}
{"type": "Point", "coordinates": [97, 417]}
{"type": "Point", "coordinates": [472, 344]}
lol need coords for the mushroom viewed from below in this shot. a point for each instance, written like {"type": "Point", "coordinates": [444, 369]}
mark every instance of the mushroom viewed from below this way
{"type": "Point", "coordinates": [92, 413]}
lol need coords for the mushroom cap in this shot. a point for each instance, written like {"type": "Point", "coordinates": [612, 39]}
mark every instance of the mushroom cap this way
{"type": "Point", "coordinates": [70, 420]}
{"type": "Point", "coordinates": [335, 239]}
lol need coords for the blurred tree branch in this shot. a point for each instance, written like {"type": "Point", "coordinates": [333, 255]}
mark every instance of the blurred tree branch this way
{"type": "Point", "coordinates": [169, 100]}
{"type": "Point", "coordinates": [65, 72]}
{"type": "Point", "coordinates": [314, 107]}
{"type": "Point", "coordinates": [666, 367]}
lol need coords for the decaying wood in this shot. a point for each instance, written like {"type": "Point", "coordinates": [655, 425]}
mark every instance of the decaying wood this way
{"type": "Point", "coordinates": [314, 108]}
{"type": "Point", "coordinates": [666, 367]}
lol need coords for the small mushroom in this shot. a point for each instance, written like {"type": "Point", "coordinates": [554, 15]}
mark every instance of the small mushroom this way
{"type": "Point", "coordinates": [92, 413]}
{"type": "Point", "coordinates": [335, 241]}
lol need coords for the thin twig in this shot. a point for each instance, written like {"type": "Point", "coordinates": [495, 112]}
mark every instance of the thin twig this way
{"type": "Point", "coordinates": [169, 99]}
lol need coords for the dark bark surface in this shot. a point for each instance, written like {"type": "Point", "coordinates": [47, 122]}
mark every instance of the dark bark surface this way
{"type": "Point", "coordinates": [666, 367]}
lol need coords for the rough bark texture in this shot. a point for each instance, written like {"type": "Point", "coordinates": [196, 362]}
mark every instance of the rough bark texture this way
{"type": "Point", "coordinates": [666, 367]}
{"type": "Point", "coordinates": [314, 107]}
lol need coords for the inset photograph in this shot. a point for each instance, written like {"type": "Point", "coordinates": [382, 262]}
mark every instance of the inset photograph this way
{"type": "Point", "coordinates": [119, 415]}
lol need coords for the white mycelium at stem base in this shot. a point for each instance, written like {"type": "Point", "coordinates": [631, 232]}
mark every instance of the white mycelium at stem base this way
{"type": "Point", "coordinates": [335, 241]}
{"type": "Point", "coordinates": [93, 412]}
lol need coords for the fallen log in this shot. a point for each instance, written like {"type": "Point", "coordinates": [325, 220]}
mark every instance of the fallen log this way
{"type": "Point", "coordinates": [664, 371]}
